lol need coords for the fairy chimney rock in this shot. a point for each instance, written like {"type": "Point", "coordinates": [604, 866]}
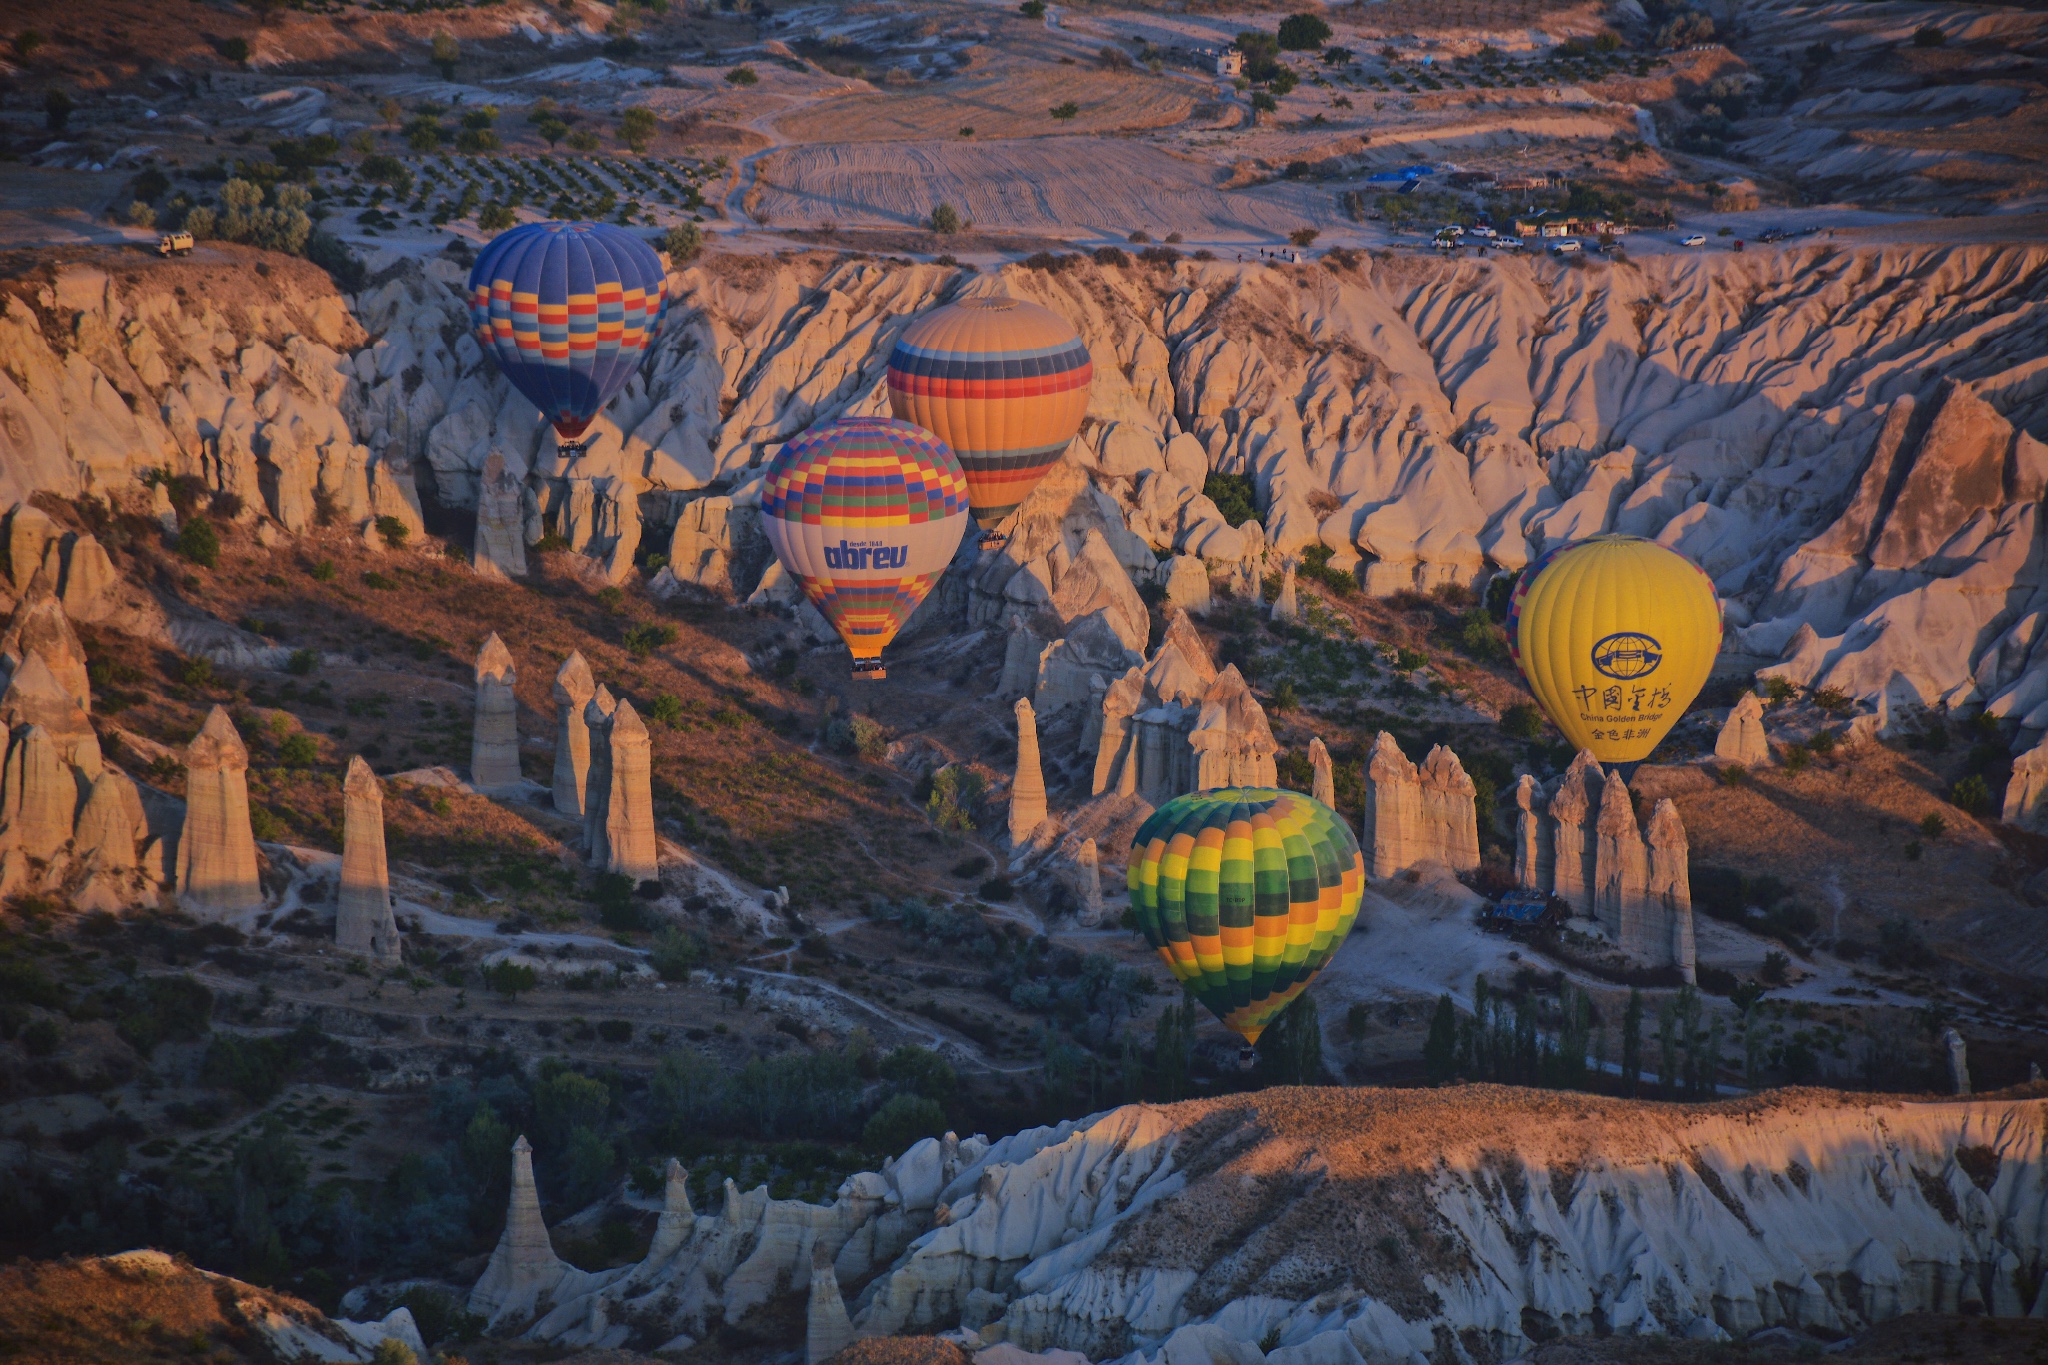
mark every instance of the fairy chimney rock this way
{"type": "Point", "coordinates": [1742, 735]}
{"type": "Point", "coordinates": [574, 687]}
{"type": "Point", "coordinates": [216, 871]}
{"type": "Point", "coordinates": [40, 626]}
{"type": "Point", "coordinates": [1574, 839]}
{"type": "Point", "coordinates": [1449, 810]}
{"type": "Point", "coordinates": [38, 795]}
{"type": "Point", "coordinates": [1286, 607]}
{"type": "Point", "coordinates": [500, 522]}
{"type": "Point", "coordinates": [625, 839]}
{"type": "Point", "coordinates": [1958, 1060]}
{"type": "Point", "coordinates": [678, 1221]}
{"type": "Point", "coordinates": [1621, 869]}
{"type": "Point", "coordinates": [1088, 883]}
{"type": "Point", "coordinates": [1233, 745]}
{"type": "Point", "coordinates": [1027, 792]}
{"type": "Point", "coordinates": [523, 1266]}
{"type": "Point", "coordinates": [1322, 785]}
{"type": "Point", "coordinates": [494, 750]}
{"type": "Point", "coordinates": [1670, 892]}
{"type": "Point", "coordinates": [1534, 867]}
{"type": "Point", "coordinates": [827, 1329]}
{"type": "Point", "coordinates": [1391, 833]}
{"type": "Point", "coordinates": [362, 920]}
{"type": "Point", "coordinates": [1116, 763]}
{"type": "Point", "coordinates": [2026, 795]}
{"type": "Point", "coordinates": [110, 824]}
{"type": "Point", "coordinates": [36, 695]}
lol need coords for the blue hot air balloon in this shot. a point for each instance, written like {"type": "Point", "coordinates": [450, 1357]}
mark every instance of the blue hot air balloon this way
{"type": "Point", "coordinates": [567, 309]}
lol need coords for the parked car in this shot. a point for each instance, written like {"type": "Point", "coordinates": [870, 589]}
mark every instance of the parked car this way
{"type": "Point", "coordinates": [1484, 231]}
{"type": "Point", "coordinates": [1508, 243]}
{"type": "Point", "coordinates": [1566, 246]}
{"type": "Point", "coordinates": [1772, 234]}
{"type": "Point", "coordinates": [1693, 239]}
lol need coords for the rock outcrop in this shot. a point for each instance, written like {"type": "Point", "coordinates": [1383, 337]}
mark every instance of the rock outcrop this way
{"type": "Point", "coordinates": [216, 870]}
{"type": "Point", "coordinates": [618, 815]}
{"type": "Point", "coordinates": [2026, 793]}
{"type": "Point", "coordinates": [1580, 842]}
{"type": "Point", "coordinates": [574, 687]}
{"type": "Point", "coordinates": [494, 745]}
{"type": "Point", "coordinates": [1087, 885]}
{"type": "Point", "coordinates": [1322, 782]}
{"type": "Point", "coordinates": [523, 1267]}
{"type": "Point", "coordinates": [1741, 739]}
{"type": "Point", "coordinates": [1141, 734]}
{"type": "Point", "coordinates": [363, 922]}
{"type": "Point", "coordinates": [1027, 789]}
{"type": "Point", "coordinates": [1957, 1053]}
{"type": "Point", "coordinates": [1286, 606]}
{"type": "Point", "coordinates": [500, 550]}
{"type": "Point", "coordinates": [1232, 743]}
{"type": "Point", "coordinates": [40, 624]}
{"type": "Point", "coordinates": [1073, 1237]}
{"type": "Point", "coordinates": [827, 1328]}
{"type": "Point", "coordinates": [1415, 816]}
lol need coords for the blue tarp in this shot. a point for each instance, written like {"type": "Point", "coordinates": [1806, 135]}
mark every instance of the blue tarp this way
{"type": "Point", "coordinates": [1524, 908]}
{"type": "Point", "coordinates": [1395, 177]}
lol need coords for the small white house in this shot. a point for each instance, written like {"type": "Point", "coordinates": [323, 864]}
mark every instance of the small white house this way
{"type": "Point", "coordinates": [1230, 63]}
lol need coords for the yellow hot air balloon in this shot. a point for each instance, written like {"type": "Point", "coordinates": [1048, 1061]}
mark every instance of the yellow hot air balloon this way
{"type": "Point", "coordinates": [1001, 381]}
{"type": "Point", "coordinates": [1616, 636]}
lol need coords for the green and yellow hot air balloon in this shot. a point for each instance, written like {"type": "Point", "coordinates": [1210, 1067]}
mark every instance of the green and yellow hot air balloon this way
{"type": "Point", "coordinates": [1245, 892]}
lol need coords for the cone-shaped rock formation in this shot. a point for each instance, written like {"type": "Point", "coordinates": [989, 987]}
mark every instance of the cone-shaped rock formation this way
{"type": "Point", "coordinates": [362, 921]}
{"type": "Point", "coordinates": [574, 688]}
{"type": "Point", "coordinates": [1027, 791]}
{"type": "Point", "coordinates": [494, 750]}
{"type": "Point", "coordinates": [216, 871]}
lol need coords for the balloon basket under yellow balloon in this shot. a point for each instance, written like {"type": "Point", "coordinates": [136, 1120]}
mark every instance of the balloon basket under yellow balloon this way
{"type": "Point", "coordinates": [993, 540]}
{"type": "Point", "coordinates": [869, 670]}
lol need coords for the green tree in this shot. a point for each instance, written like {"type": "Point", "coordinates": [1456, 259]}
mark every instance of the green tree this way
{"type": "Point", "coordinates": [1440, 1049]}
{"type": "Point", "coordinates": [57, 107]}
{"type": "Point", "coordinates": [1263, 103]}
{"type": "Point", "coordinates": [683, 243]}
{"type": "Point", "coordinates": [494, 218]}
{"type": "Point", "coordinates": [1173, 1039]}
{"type": "Point", "coordinates": [945, 219]}
{"type": "Point", "coordinates": [675, 954]}
{"type": "Point", "coordinates": [583, 140]}
{"type": "Point", "coordinates": [637, 127]}
{"type": "Point", "coordinates": [1032, 9]}
{"type": "Point", "coordinates": [199, 542]}
{"type": "Point", "coordinates": [742, 75]}
{"type": "Point", "coordinates": [920, 1070]}
{"type": "Point", "coordinates": [955, 791]}
{"type": "Point", "coordinates": [1065, 110]}
{"type": "Point", "coordinates": [1303, 32]}
{"type": "Point", "coordinates": [564, 1101]}
{"type": "Point", "coordinates": [903, 1120]}
{"type": "Point", "coordinates": [1291, 1048]}
{"type": "Point", "coordinates": [446, 52]}
{"type": "Point", "coordinates": [1632, 1044]}
{"type": "Point", "coordinates": [509, 978]}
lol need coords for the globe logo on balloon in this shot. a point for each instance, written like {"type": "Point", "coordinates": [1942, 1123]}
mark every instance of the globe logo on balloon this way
{"type": "Point", "coordinates": [1627, 654]}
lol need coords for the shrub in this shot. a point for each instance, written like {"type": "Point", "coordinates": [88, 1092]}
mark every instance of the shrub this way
{"type": "Point", "coordinates": [298, 751]}
{"type": "Point", "coordinates": [1776, 968]}
{"type": "Point", "coordinates": [637, 127]}
{"type": "Point", "coordinates": [615, 1030]}
{"type": "Point", "coordinates": [509, 978]}
{"type": "Point", "coordinates": [1303, 32]}
{"type": "Point", "coordinates": [1522, 720]}
{"type": "Point", "coordinates": [616, 908]}
{"type": "Point", "coordinates": [199, 542]}
{"type": "Point", "coordinates": [1111, 255]}
{"type": "Point", "coordinates": [196, 672]}
{"type": "Point", "coordinates": [445, 53]}
{"type": "Point", "coordinates": [683, 243]}
{"type": "Point", "coordinates": [1303, 236]}
{"type": "Point", "coordinates": [393, 531]}
{"type": "Point", "coordinates": [643, 640]}
{"type": "Point", "coordinates": [742, 75]}
{"type": "Point", "coordinates": [1479, 638]}
{"type": "Point", "coordinates": [1972, 795]}
{"type": "Point", "coordinates": [1263, 103]}
{"type": "Point", "coordinates": [1927, 35]}
{"type": "Point", "coordinates": [1779, 690]}
{"type": "Point", "coordinates": [904, 1120]}
{"type": "Point", "coordinates": [1064, 110]}
{"type": "Point", "coordinates": [1234, 496]}
{"type": "Point", "coordinates": [945, 219]}
{"type": "Point", "coordinates": [379, 582]}
{"type": "Point", "coordinates": [1032, 9]}
{"type": "Point", "coordinates": [323, 571]}
{"type": "Point", "coordinates": [666, 709]}
{"type": "Point", "coordinates": [1933, 825]}
{"type": "Point", "coordinates": [675, 954]}
{"type": "Point", "coordinates": [494, 218]}
{"type": "Point", "coordinates": [141, 215]}
{"type": "Point", "coordinates": [1797, 756]}
{"type": "Point", "coordinates": [955, 790]}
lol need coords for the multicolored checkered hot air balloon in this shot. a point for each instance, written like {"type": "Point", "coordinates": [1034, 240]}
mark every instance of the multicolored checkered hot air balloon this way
{"type": "Point", "coordinates": [865, 513]}
{"type": "Point", "coordinates": [1245, 892]}
{"type": "Point", "coordinates": [1003, 382]}
{"type": "Point", "coordinates": [567, 310]}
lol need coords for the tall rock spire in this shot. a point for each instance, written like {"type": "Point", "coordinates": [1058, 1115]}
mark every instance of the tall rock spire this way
{"type": "Point", "coordinates": [363, 921]}
{"type": "Point", "coordinates": [40, 625]}
{"type": "Point", "coordinates": [38, 795]}
{"type": "Point", "coordinates": [827, 1329]}
{"type": "Point", "coordinates": [678, 1220]}
{"type": "Point", "coordinates": [494, 750]}
{"type": "Point", "coordinates": [1670, 887]}
{"type": "Point", "coordinates": [1534, 868]}
{"type": "Point", "coordinates": [216, 870]}
{"type": "Point", "coordinates": [1322, 783]}
{"type": "Point", "coordinates": [574, 687]}
{"type": "Point", "coordinates": [1621, 868]}
{"type": "Point", "coordinates": [1027, 791]}
{"type": "Point", "coordinates": [1573, 806]}
{"type": "Point", "coordinates": [524, 1266]}
{"type": "Point", "coordinates": [626, 840]}
{"type": "Point", "coordinates": [1390, 837]}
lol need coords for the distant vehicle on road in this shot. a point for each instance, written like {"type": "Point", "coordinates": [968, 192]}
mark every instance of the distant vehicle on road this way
{"type": "Point", "coordinates": [174, 244]}
{"type": "Point", "coordinates": [1484, 231]}
{"type": "Point", "coordinates": [1566, 246]}
{"type": "Point", "coordinates": [1772, 234]}
{"type": "Point", "coordinates": [1693, 239]}
{"type": "Point", "coordinates": [1508, 243]}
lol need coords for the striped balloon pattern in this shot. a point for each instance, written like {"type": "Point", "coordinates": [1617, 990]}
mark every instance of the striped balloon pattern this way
{"type": "Point", "coordinates": [567, 310]}
{"type": "Point", "coordinates": [1245, 893]}
{"type": "Point", "coordinates": [865, 514]}
{"type": "Point", "coordinates": [1001, 381]}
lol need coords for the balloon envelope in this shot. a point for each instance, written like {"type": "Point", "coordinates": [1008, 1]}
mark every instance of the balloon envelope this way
{"type": "Point", "coordinates": [1245, 892]}
{"type": "Point", "coordinates": [865, 514]}
{"type": "Point", "coordinates": [1001, 381]}
{"type": "Point", "coordinates": [1616, 636]}
{"type": "Point", "coordinates": [567, 309]}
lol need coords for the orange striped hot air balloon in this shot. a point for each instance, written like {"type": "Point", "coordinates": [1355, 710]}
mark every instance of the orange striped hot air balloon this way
{"type": "Point", "coordinates": [1001, 381]}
